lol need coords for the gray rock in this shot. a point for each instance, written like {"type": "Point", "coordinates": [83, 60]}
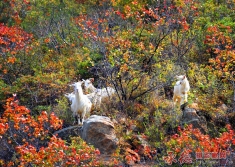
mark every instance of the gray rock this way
{"type": "Point", "coordinates": [190, 117]}
{"type": "Point", "coordinates": [99, 131]}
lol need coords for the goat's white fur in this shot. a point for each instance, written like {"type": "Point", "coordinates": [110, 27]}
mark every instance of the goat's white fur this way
{"type": "Point", "coordinates": [181, 90]}
{"type": "Point", "coordinates": [81, 105]}
{"type": "Point", "coordinates": [88, 86]}
{"type": "Point", "coordinates": [70, 96]}
{"type": "Point", "coordinates": [96, 95]}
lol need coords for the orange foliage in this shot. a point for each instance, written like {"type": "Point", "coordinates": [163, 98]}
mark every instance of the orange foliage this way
{"type": "Point", "coordinates": [194, 140]}
{"type": "Point", "coordinates": [57, 152]}
{"type": "Point", "coordinates": [22, 119]}
{"type": "Point", "coordinates": [18, 126]}
{"type": "Point", "coordinates": [221, 46]}
{"type": "Point", "coordinates": [24, 132]}
{"type": "Point", "coordinates": [10, 36]}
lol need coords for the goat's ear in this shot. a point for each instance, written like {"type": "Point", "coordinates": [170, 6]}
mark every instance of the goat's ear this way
{"type": "Point", "coordinates": [92, 79]}
{"type": "Point", "coordinates": [184, 77]}
{"type": "Point", "coordinates": [83, 80]}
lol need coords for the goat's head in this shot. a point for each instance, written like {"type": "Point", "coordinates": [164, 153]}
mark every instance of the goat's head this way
{"type": "Point", "coordinates": [77, 86]}
{"type": "Point", "coordinates": [88, 84]}
{"type": "Point", "coordinates": [180, 77]}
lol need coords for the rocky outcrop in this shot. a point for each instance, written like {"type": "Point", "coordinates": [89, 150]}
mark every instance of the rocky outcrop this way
{"type": "Point", "coordinates": [99, 131]}
{"type": "Point", "coordinates": [190, 117]}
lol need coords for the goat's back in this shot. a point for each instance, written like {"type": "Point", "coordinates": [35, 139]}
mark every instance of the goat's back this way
{"type": "Point", "coordinates": [106, 92]}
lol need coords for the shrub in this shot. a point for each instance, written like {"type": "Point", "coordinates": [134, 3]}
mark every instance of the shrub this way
{"type": "Point", "coordinates": [27, 140]}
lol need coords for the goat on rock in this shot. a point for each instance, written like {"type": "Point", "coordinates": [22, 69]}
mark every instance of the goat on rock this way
{"type": "Point", "coordinates": [81, 105]}
{"type": "Point", "coordinates": [181, 90]}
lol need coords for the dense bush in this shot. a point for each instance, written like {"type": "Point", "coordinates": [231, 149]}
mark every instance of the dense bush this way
{"type": "Point", "coordinates": [28, 140]}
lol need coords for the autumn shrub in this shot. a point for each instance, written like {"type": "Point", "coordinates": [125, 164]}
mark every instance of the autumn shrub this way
{"type": "Point", "coordinates": [48, 77]}
{"type": "Point", "coordinates": [195, 143]}
{"type": "Point", "coordinates": [20, 127]}
{"type": "Point", "coordinates": [153, 120]}
{"type": "Point", "coordinates": [38, 66]}
{"type": "Point", "coordinates": [161, 120]}
{"type": "Point", "coordinates": [206, 85]}
{"type": "Point", "coordinates": [13, 40]}
{"type": "Point", "coordinates": [28, 140]}
{"type": "Point", "coordinates": [59, 153]}
{"type": "Point", "coordinates": [131, 148]}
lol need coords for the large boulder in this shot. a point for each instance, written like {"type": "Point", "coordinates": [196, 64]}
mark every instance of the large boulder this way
{"type": "Point", "coordinates": [99, 131]}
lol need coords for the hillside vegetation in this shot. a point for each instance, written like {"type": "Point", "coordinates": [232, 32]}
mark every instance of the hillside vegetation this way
{"type": "Point", "coordinates": [136, 47]}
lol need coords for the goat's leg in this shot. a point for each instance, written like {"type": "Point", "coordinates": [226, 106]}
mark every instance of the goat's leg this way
{"type": "Point", "coordinates": [75, 118]}
{"type": "Point", "coordinates": [186, 97]}
{"type": "Point", "coordinates": [174, 99]}
{"type": "Point", "coordinates": [182, 98]}
{"type": "Point", "coordinates": [78, 118]}
{"type": "Point", "coordinates": [83, 116]}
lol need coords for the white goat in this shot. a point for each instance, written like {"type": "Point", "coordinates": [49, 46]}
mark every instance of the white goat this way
{"type": "Point", "coordinates": [181, 90]}
{"type": "Point", "coordinates": [96, 95]}
{"type": "Point", "coordinates": [88, 86]}
{"type": "Point", "coordinates": [81, 105]}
